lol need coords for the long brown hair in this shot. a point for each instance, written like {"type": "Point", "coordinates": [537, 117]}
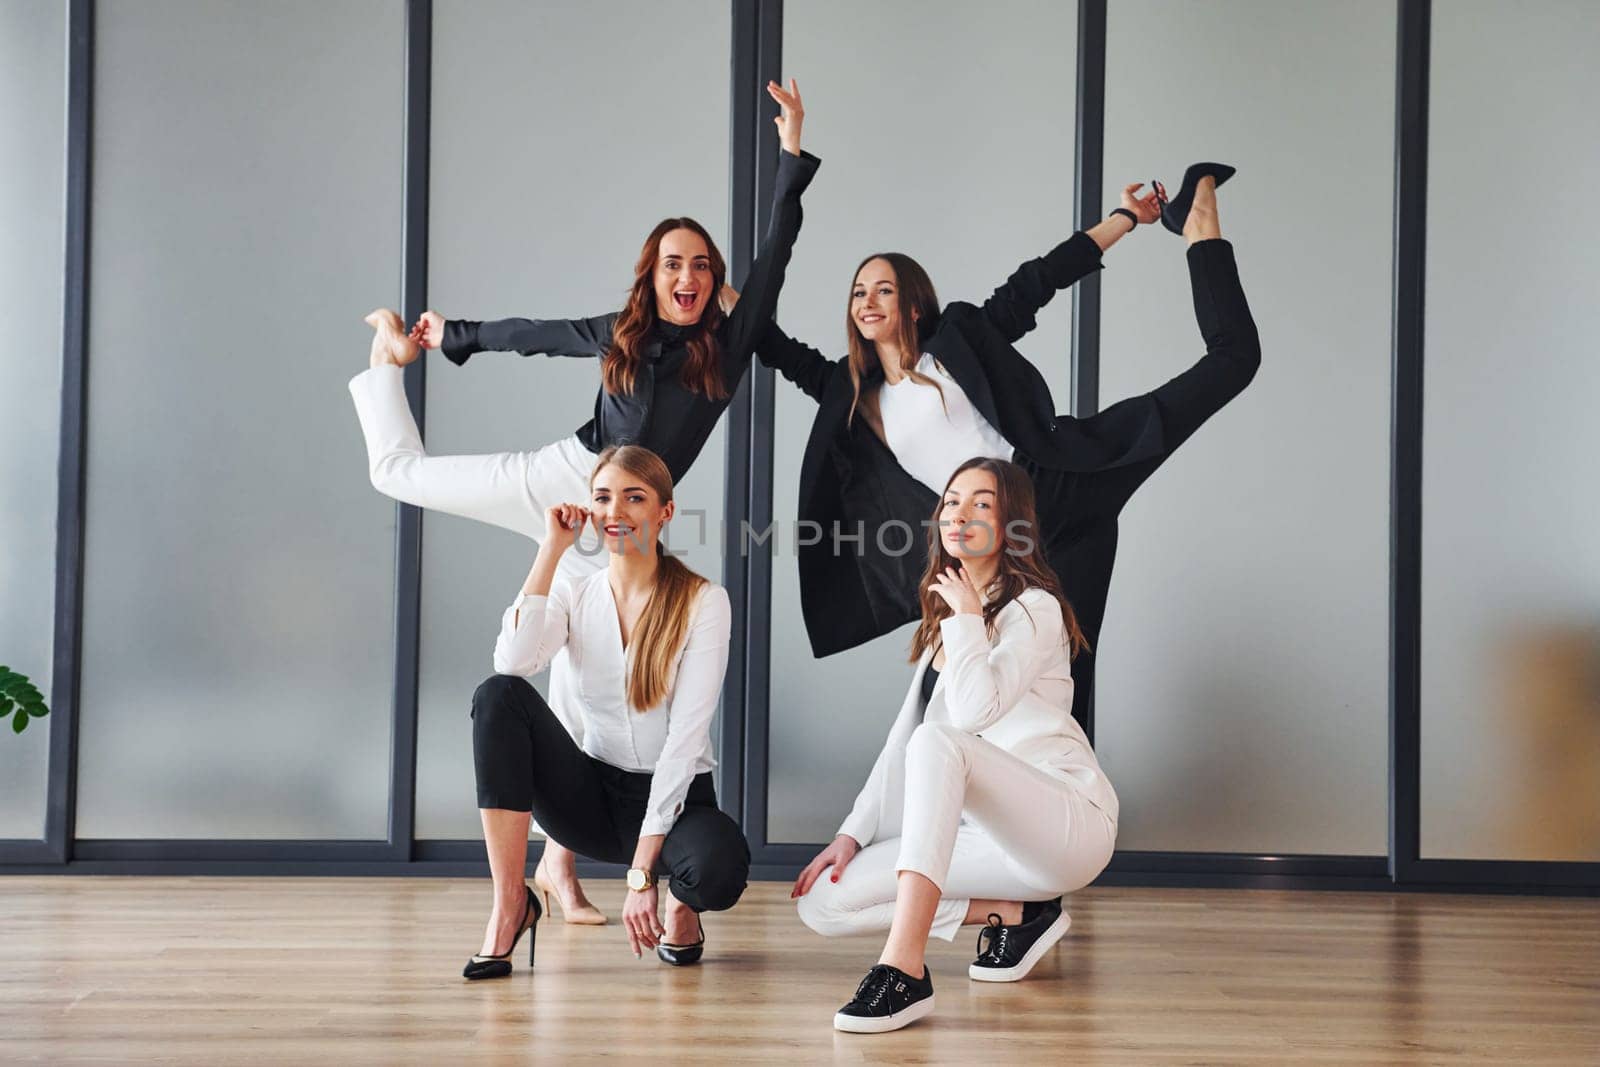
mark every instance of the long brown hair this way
{"type": "Point", "coordinates": [659, 634]}
{"type": "Point", "coordinates": [702, 372]}
{"type": "Point", "coordinates": [1019, 570]}
{"type": "Point", "coordinates": [913, 291]}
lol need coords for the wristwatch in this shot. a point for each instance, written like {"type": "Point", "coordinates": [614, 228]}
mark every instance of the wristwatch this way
{"type": "Point", "coordinates": [640, 880]}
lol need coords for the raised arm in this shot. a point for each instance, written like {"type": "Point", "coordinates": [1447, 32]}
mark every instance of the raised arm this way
{"type": "Point", "coordinates": [460, 339]}
{"type": "Point", "coordinates": [1014, 306]}
{"type": "Point", "coordinates": [759, 292]}
{"type": "Point", "coordinates": [536, 625]}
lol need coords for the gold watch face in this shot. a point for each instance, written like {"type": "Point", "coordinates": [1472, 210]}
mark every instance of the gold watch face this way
{"type": "Point", "coordinates": [638, 880]}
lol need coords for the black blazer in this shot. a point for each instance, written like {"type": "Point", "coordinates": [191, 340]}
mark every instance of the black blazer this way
{"type": "Point", "coordinates": [853, 590]}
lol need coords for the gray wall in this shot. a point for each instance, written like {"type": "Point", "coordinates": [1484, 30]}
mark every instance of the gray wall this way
{"type": "Point", "coordinates": [32, 128]}
{"type": "Point", "coordinates": [1511, 519]}
{"type": "Point", "coordinates": [239, 569]}
{"type": "Point", "coordinates": [1242, 690]}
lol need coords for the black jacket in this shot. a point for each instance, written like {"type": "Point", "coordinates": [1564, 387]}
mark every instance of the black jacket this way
{"type": "Point", "coordinates": [661, 412]}
{"type": "Point", "coordinates": [1084, 470]}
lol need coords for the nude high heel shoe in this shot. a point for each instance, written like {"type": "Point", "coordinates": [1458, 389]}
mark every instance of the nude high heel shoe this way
{"type": "Point", "coordinates": [390, 344]}
{"type": "Point", "coordinates": [588, 915]}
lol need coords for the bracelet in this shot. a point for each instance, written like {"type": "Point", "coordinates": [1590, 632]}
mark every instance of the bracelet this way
{"type": "Point", "coordinates": [1131, 216]}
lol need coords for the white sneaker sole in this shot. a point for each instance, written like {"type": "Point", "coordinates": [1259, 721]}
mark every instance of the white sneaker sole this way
{"type": "Point", "coordinates": [856, 1024]}
{"type": "Point", "coordinates": [1046, 942]}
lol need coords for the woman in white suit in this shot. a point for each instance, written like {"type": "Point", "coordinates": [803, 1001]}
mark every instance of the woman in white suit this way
{"type": "Point", "coordinates": [987, 803]}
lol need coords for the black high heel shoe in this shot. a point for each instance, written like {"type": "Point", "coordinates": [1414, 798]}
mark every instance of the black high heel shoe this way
{"type": "Point", "coordinates": [1175, 212]}
{"type": "Point", "coordinates": [683, 955]}
{"type": "Point", "coordinates": [500, 966]}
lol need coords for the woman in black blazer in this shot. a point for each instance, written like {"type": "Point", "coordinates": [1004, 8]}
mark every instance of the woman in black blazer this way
{"type": "Point", "coordinates": [860, 470]}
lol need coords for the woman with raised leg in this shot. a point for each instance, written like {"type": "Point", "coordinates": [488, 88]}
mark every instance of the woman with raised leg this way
{"type": "Point", "coordinates": [986, 803]}
{"type": "Point", "coordinates": [670, 361]}
{"type": "Point", "coordinates": [649, 642]}
{"type": "Point", "coordinates": [924, 387]}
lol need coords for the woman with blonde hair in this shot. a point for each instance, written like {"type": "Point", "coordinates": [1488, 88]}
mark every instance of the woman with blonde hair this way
{"type": "Point", "coordinates": [986, 803]}
{"type": "Point", "coordinates": [648, 642]}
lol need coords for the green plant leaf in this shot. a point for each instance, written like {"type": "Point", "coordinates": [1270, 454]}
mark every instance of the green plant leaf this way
{"type": "Point", "coordinates": [20, 723]}
{"type": "Point", "coordinates": [5, 706]}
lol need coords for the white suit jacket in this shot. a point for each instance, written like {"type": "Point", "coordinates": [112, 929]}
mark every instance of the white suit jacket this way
{"type": "Point", "coordinates": [1014, 691]}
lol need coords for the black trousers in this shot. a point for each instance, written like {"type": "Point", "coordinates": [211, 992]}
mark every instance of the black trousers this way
{"type": "Point", "coordinates": [1078, 511]}
{"type": "Point", "coordinates": [526, 761]}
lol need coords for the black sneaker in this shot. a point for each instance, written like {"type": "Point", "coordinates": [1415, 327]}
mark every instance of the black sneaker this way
{"type": "Point", "coordinates": [1008, 953]}
{"type": "Point", "coordinates": [887, 999]}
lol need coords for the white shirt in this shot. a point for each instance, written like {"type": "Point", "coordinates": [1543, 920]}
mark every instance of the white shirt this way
{"type": "Point", "coordinates": [671, 740]}
{"type": "Point", "coordinates": [1014, 690]}
{"type": "Point", "coordinates": [929, 439]}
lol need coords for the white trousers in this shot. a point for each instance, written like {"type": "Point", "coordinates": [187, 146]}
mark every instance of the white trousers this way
{"type": "Point", "coordinates": [981, 824]}
{"type": "Point", "coordinates": [506, 489]}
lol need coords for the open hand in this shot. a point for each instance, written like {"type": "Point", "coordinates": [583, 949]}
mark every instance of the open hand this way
{"type": "Point", "coordinates": [837, 855]}
{"type": "Point", "coordinates": [641, 917]}
{"type": "Point", "coordinates": [790, 115]}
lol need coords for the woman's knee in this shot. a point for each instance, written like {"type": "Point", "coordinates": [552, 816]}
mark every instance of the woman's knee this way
{"type": "Point", "coordinates": [712, 868]}
{"type": "Point", "coordinates": [828, 908]}
{"type": "Point", "coordinates": [500, 694]}
{"type": "Point", "coordinates": [935, 742]}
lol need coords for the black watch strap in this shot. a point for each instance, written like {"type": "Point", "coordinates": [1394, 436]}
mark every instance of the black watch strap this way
{"type": "Point", "coordinates": [1130, 215]}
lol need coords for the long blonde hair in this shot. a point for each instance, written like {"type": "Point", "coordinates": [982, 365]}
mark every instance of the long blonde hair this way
{"type": "Point", "coordinates": [659, 635]}
{"type": "Point", "coordinates": [1019, 571]}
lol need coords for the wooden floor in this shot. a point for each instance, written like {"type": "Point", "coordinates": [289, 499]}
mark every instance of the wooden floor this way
{"type": "Point", "coordinates": [303, 971]}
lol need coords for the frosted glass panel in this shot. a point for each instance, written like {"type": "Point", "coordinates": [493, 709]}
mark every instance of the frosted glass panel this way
{"type": "Point", "coordinates": [32, 109]}
{"type": "Point", "coordinates": [238, 597]}
{"type": "Point", "coordinates": [548, 173]}
{"type": "Point", "coordinates": [1511, 519]}
{"type": "Point", "coordinates": [946, 133]}
{"type": "Point", "coordinates": [1241, 700]}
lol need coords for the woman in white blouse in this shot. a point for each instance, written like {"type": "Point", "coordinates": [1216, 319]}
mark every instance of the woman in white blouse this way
{"type": "Point", "coordinates": [647, 641]}
{"type": "Point", "coordinates": [987, 802]}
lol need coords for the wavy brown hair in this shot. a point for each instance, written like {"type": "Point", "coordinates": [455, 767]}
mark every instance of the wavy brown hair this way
{"type": "Point", "coordinates": [1021, 568]}
{"type": "Point", "coordinates": [913, 291]}
{"type": "Point", "coordinates": [702, 372]}
{"type": "Point", "coordinates": [659, 634]}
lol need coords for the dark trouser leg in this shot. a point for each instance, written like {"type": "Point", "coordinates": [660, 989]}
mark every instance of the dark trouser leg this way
{"type": "Point", "coordinates": [708, 859]}
{"type": "Point", "coordinates": [526, 761]}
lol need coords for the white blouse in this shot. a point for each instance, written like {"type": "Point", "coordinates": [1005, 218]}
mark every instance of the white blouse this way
{"type": "Point", "coordinates": [671, 740]}
{"type": "Point", "coordinates": [929, 439]}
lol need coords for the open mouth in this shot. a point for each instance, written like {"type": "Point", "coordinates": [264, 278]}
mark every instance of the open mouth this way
{"type": "Point", "coordinates": [615, 530]}
{"type": "Point", "coordinates": [870, 320]}
{"type": "Point", "coordinates": [686, 300]}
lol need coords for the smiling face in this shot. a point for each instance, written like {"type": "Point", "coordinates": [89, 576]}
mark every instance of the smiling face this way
{"type": "Point", "coordinates": [970, 523]}
{"type": "Point", "coordinates": [684, 282]}
{"type": "Point", "coordinates": [875, 300]}
{"type": "Point", "coordinates": [627, 513]}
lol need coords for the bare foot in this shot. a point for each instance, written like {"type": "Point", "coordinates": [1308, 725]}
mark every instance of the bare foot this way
{"type": "Point", "coordinates": [1202, 224]}
{"type": "Point", "coordinates": [390, 343]}
{"type": "Point", "coordinates": [681, 922]}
